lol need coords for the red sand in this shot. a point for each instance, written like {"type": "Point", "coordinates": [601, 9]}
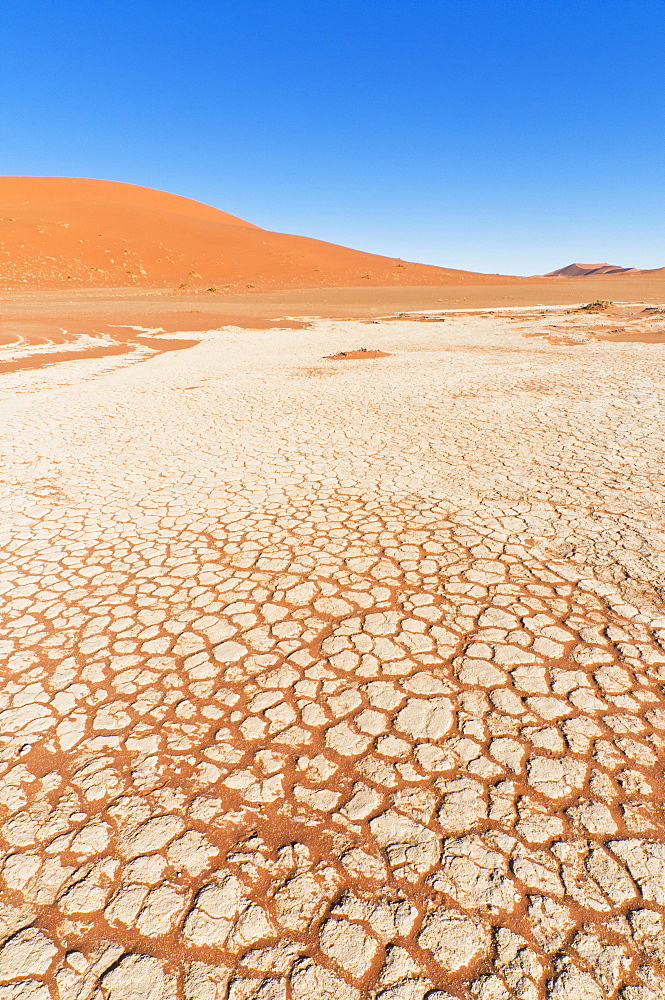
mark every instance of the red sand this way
{"type": "Point", "coordinates": [64, 232]}
{"type": "Point", "coordinates": [359, 355]}
{"type": "Point", "coordinates": [88, 257]}
{"type": "Point", "coordinates": [597, 270]}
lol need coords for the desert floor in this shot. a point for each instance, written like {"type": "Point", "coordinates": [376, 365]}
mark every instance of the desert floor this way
{"type": "Point", "coordinates": [334, 679]}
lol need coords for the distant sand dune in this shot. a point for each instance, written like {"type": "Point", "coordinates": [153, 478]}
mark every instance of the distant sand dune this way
{"type": "Point", "coordinates": [595, 270]}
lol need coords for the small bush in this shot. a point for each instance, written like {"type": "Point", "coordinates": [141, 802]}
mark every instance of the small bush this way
{"type": "Point", "coordinates": [600, 305]}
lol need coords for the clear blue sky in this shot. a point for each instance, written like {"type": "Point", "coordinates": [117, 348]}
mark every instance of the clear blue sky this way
{"type": "Point", "coordinates": [493, 135]}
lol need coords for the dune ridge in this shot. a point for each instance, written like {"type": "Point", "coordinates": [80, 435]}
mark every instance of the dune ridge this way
{"type": "Point", "coordinates": [602, 270]}
{"type": "Point", "coordinates": [64, 232]}
{"type": "Point", "coordinates": [584, 270]}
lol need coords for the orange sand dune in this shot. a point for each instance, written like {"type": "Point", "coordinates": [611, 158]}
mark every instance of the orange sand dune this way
{"type": "Point", "coordinates": [68, 232]}
{"type": "Point", "coordinates": [604, 271]}
{"type": "Point", "coordinates": [586, 270]}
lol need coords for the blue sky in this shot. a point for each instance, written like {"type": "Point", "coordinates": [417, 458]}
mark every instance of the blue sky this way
{"type": "Point", "coordinates": [511, 136]}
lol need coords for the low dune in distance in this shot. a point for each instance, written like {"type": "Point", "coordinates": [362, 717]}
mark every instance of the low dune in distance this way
{"type": "Point", "coordinates": [73, 233]}
{"type": "Point", "coordinates": [603, 271]}
{"type": "Point", "coordinates": [585, 270]}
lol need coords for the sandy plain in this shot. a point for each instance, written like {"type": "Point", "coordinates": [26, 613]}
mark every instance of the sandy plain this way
{"type": "Point", "coordinates": [61, 324]}
{"type": "Point", "coordinates": [332, 679]}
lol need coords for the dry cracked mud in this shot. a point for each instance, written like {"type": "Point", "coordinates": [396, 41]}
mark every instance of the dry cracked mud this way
{"type": "Point", "coordinates": [336, 681]}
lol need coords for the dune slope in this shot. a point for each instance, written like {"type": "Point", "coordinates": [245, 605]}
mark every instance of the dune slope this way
{"type": "Point", "coordinates": [604, 271]}
{"type": "Point", "coordinates": [64, 232]}
{"type": "Point", "coordinates": [585, 270]}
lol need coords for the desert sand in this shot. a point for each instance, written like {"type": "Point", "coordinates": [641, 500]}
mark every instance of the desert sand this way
{"type": "Point", "coordinates": [588, 270]}
{"type": "Point", "coordinates": [64, 232]}
{"type": "Point", "coordinates": [40, 329]}
{"type": "Point", "coordinates": [333, 633]}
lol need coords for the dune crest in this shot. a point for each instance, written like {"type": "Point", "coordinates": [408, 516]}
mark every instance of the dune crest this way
{"type": "Point", "coordinates": [68, 232]}
{"type": "Point", "coordinates": [584, 270]}
{"type": "Point", "coordinates": [603, 270]}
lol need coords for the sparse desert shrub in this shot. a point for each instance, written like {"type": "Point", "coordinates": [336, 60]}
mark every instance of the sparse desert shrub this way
{"type": "Point", "coordinates": [600, 305]}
